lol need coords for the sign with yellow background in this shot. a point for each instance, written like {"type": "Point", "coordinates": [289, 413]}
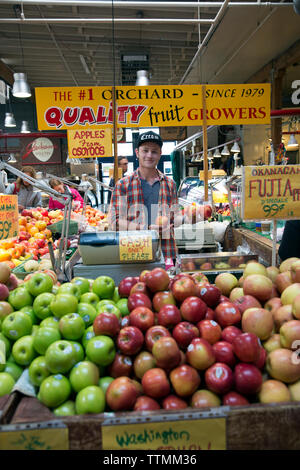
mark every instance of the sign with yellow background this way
{"type": "Point", "coordinates": [89, 143]}
{"type": "Point", "coordinates": [198, 434]}
{"type": "Point", "coordinates": [271, 192]}
{"type": "Point", "coordinates": [135, 247]}
{"type": "Point", "coordinates": [34, 439]}
{"type": "Point", "coordinates": [152, 106]}
{"type": "Point", "coordinates": [9, 216]}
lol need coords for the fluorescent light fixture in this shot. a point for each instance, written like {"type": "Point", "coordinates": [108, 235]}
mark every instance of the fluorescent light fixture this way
{"type": "Point", "coordinates": [84, 64]}
{"type": "Point", "coordinates": [142, 78]}
{"type": "Point", "coordinates": [9, 120]}
{"type": "Point", "coordinates": [21, 88]}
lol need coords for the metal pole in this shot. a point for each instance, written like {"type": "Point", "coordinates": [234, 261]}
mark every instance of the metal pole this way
{"type": "Point", "coordinates": [144, 4]}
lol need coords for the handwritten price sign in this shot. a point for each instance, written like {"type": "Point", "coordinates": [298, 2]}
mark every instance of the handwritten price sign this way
{"type": "Point", "coordinates": [271, 192]}
{"type": "Point", "coordinates": [9, 225]}
{"type": "Point", "coordinates": [90, 143]}
{"type": "Point", "coordinates": [135, 247]}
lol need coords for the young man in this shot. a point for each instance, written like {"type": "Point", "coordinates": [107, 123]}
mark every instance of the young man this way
{"type": "Point", "coordinates": [123, 164]}
{"type": "Point", "coordinates": [138, 199]}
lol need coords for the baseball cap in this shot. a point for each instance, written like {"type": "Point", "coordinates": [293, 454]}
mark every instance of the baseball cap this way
{"type": "Point", "coordinates": [149, 136]}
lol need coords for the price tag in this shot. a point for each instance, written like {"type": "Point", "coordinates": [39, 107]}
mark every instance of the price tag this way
{"type": "Point", "coordinates": [135, 246]}
{"type": "Point", "coordinates": [193, 434]}
{"type": "Point", "coordinates": [34, 437]}
{"type": "Point", "coordinates": [9, 225]}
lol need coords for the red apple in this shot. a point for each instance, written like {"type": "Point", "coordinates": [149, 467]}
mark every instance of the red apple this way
{"type": "Point", "coordinates": [258, 321]}
{"type": "Point", "coordinates": [224, 353]}
{"type": "Point", "coordinates": [200, 354]}
{"type": "Point", "coordinates": [172, 402]}
{"type": "Point", "coordinates": [200, 277]}
{"type": "Point", "coordinates": [179, 276]}
{"type": "Point", "coordinates": [210, 330]}
{"type": "Point", "coordinates": [205, 399]}
{"type": "Point", "coordinates": [290, 333]}
{"type": "Point", "coordinates": [124, 321]}
{"type": "Point", "coordinates": [246, 347]}
{"type": "Point", "coordinates": [272, 272]}
{"type": "Point", "coordinates": [143, 362]}
{"type": "Point", "coordinates": [169, 316]}
{"type": "Point", "coordinates": [283, 364]}
{"type": "Point", "coordinates": [142, 317]}
{"type": "Point", "coordinates": [296, 307]}
{"type": "Point", "coordinates": [273, 304]}
{"type": "Point", "coordinates": [206, 266]}
{"type": "Point", "coordinates": [245, 302]}
{"type": "Point", "coordinates": [230, 332]}
{"type": "Point", "coordinates": [193, 309]}
{"type": "Point", "coordinates": [234, 399]}
{"type": "Point", "coordinates": [219, 378]}
{"type": "Point", "coordinates": [138, 300]}
{"type": "Point", "coordinates": [121, 366]}
{"type": "Point", "coordinates": [227, 314]}
{"type": "Point", "coordinates": [141, 288]}
{"type": "Point", "coordinates": [295, 271]}
{"type": "Point", "coordinates": [259, 286]}
{"type": "Point", "coordinates": [160, 299]}
{"type": "Point", "coordinates": [210, 294]}
{"type": "Point", "coordinates": [106, 324]}
{"type": "Point", "coordinates": [143, 275]}
{"type": "Point", "coordinates": [185, 380]}
{"type": "Point", "coordinates": [283, 280]}
{"type": "Point", "coordinates": [236, 293]}
{"type": "Point", "coordinates": [210, 314]}
{"type": "Point", "coordinates": [247, 378]}
{"type": "Point", "coordinates": [130, 340]}
{"type": "Point", "coordinates": [260, 363]}
{"type": "Point", "coordinates": [184, 332]}
{"type": "Point", "coordinates": [155, 383]}
{"type": "Point", "coordinates": [226, 282]}
{"type": "Point", "coordinates": [157, 280]}
{"type": "Point", "coordinates": [126, 285]}
{"type": "Point", "coordinates": [290, 293]}
{"type": "Point", "coordinates": [183, 288]}
{"type": "Point", "coordinates": [166, 353]}
{"type": "Point", "coordinates": [144, 403]}
{"type": "Point", "coordinates": [153, 334]}
{"type": "Point", "coordinates": [121, 394]}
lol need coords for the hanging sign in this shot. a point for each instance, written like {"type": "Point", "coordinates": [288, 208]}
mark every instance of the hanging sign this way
{"type": "Point", "coordinates": [89, 143]}
{"type": "Point", "coordinates": [271, 192]}
{"type": "Point", "coordinates": [152, 106]}
{"type": "Point", "coordinates": [9, 216]}
{"type": "Point", "coordinates": [40, 151]}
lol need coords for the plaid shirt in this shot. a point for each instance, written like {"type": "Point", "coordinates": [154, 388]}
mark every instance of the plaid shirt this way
{"type": "Point", "coordinates": [127, 203]}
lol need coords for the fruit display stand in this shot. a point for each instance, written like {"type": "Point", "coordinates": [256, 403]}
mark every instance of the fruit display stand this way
{"type": "Point", "coordinates": [249, 427]}
{"type": "Point", "coordinates": [8, 404]}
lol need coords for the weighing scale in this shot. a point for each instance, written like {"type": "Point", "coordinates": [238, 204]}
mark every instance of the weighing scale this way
{"type": "Point", "coordinates": [118, 254]}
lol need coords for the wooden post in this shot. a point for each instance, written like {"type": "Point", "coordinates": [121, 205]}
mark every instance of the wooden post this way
{"type": "Point", "coordinates": [276, 103]}
{"type": "Point", "coordinates": [115, 125]}
{"type": "Point", "coordinates": [205, 159]}
{"type": "Point", "coordinates": [274, 247]}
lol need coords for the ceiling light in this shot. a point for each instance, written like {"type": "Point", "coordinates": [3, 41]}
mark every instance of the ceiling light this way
{"type": "Point", "coordinates": [225, 150]}
{"type": "Point", "coordinates": [21, 88]}
{"type": "Point", "coordinates": [9, 120]}
{"type": "Point", "coordinates": [217, 153]}
{"type": "Point", "coordinates": [142, 78]}
{"type": "Point", "coordinates": [25, 127]}
{"type": "Point", "coordinates": [292, 143]}
{"type": "Point", "coordinates": [235, 148]}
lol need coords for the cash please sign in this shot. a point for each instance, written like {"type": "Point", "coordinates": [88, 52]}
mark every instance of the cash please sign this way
{"type": "Point", "coordinates": [271, 192]}
{"type": "Point", "coordinates": [152, 106]}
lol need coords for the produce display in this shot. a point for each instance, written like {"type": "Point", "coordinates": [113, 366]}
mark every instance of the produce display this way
{"type": "Point", "coordinates": [153, 342]}
{"type": "Point", "coordinates": [213, 262]}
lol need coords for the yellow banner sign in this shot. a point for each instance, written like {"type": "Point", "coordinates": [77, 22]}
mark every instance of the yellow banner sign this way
{"type": "Point", "coordinates": [152, 106]}
{"type": "Point", "coordinates": [9, 216]}
{"type": "Point", "coordinates": [35, 439]}
{"type": "Point", "coordinates": [135, 247]}
{"type": "Point", "coordinates": [271, 192]}
{"type": "Point", "coordinates": [198, 434]}
{"type": "Point", "coordinates": [89, 143]}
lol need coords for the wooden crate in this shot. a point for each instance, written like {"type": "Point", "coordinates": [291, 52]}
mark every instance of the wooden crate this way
{"type": "Point", "coordinates": [8, 405]}
{"type": "Point", "coordinates": [251, 427]}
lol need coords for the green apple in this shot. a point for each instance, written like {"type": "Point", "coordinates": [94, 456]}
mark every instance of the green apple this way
{"type": "Point", "coordinates": [54, 390]}
{"type": "Point", "coordinates": [90, 298]}
{"type": "Point", "coordinates": [83, 374]}
{"type": "Point", "coordinates": [60, 356]}
{"type": "Point", "coordinates": [63, 304]}
{"type": "Point", "coordinates": [14, 370]}
{"type": "Point", "coordinates": [20, 297]}
{"type": "Point", "coordinates": [51, 322]}
{"type": "Point", "coordinates": [55, 289]}
{"type": "Point", "coordinates": [38, 371]}
{"type": "Point", "coordinates": [101, 350]}
{"type": "Point", "coordinates": [39, 283]}
{"type": "Point", "coordinates": [87, 335]}
{"type": "Point", "coordinates": [79, 351]}
{"type": "Point", "coordinates": [71, 326]}
{"type": "Point", "coordinates": [23, 351]}
{"type": "Point", "coordinates": [29, 310]}
{"type": "Point", "coordinates": [87, 312]}
{"type": "Point", "coordinates": [90, 400]}
{"type": "Point", "coordinates": [7, 344]}
{"type": "Point", "coordinates": [44, 337]}
{"type": "Point", "coordinates": [82, 283]}
{"type": "Point", "coordinates": [35, 329]}
{"type": "Point", "coordinates": [122, 305]}
{"type": "Point", "coordinates": [105, 302]}
{"type": "Point", "coordinates": [41, 305]}
{"type": "Point", "coordinates": [16, 325]}
{"type": "Point", "coordinates": [104, 287]}
{"type": "Point", "coordinates": [109, 308]}
{"type": "Point", "coordinates": [6, 383]}
{"type": "Point", "coordinates": [116, 297]}
{"type": "Point", "coordinates": [70, 288]}
{"type": "Point", "coordinates": [66, 409]}
{"type": "Point", "coordinates": [104, 383]}
{"type": "Point", "coordinates": [5, 309]}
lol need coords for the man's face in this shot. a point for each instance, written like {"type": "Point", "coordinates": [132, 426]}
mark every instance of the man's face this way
{"type": "Point", "coordinates": [148, 155]}
{"type": "Point", "coordinates": [124, 165]}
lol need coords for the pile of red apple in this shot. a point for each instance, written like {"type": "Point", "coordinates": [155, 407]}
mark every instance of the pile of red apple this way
{"type": "Point", "coordinates": [156, 343]}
